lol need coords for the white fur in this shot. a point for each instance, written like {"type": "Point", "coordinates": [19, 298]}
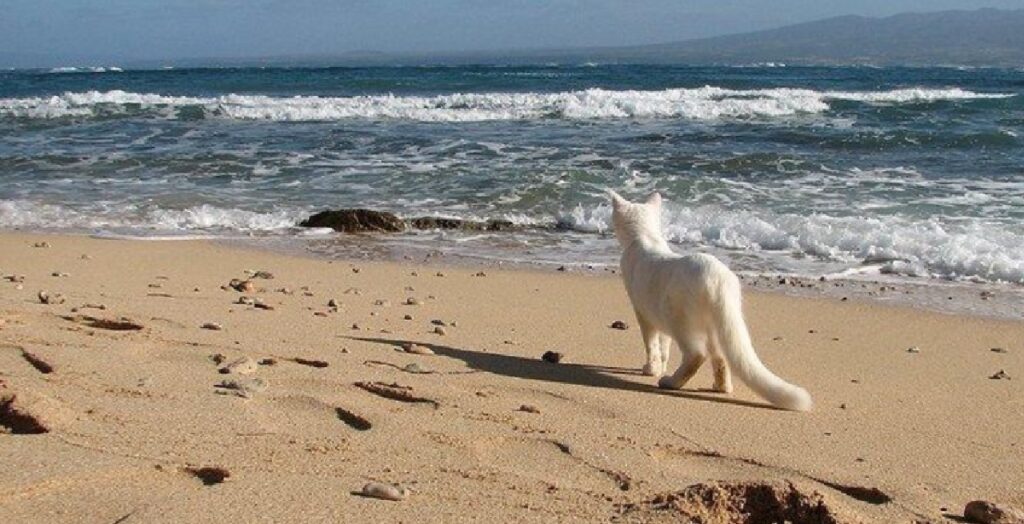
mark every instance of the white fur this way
{"type": "Point", "coordinates": [695, 301]}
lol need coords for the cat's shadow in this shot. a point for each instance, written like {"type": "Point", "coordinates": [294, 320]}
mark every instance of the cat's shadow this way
{"type": "Point", "coordinates": [565, 373]}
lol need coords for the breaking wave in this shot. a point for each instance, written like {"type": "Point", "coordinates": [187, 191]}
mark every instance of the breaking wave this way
{"type": "Point", "coordinates": [705, 103]}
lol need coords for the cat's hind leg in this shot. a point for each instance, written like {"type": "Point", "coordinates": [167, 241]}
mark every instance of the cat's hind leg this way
{"type": "Point", "coordinates": [723, 376]}
{"type": "Point", "coordinates": [652, 345]}
{"type": "Point", "coordinates": [694, 354]}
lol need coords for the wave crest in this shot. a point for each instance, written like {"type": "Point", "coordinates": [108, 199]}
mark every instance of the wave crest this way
{"type": "Point", "coordinates": [705, 103]}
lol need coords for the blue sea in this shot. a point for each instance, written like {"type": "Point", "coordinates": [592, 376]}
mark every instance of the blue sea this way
{"type": "Point", "coordinates": [915, 173]}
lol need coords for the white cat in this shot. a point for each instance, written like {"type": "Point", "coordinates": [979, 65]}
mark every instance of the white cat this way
{"type": "Point", "coordinates": [695, 301]}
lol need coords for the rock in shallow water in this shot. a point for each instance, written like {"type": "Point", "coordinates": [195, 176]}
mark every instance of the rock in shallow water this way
{"type": "Point", "coordinates": [356, 221]}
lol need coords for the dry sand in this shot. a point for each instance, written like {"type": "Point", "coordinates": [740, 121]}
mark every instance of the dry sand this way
{"type": "Point", "coordinates": [138, 431]}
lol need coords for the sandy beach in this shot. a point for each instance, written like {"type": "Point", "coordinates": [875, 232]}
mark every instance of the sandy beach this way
{"type": "Point", "coordinates": [115, 407]}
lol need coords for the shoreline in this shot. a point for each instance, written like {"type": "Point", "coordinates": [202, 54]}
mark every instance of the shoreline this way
{"type": "Point", "coordinates": [133, 415]}
{"type": "Point", "coordinates": [997, 300]}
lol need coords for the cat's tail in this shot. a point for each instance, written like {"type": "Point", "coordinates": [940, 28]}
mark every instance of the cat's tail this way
{"type": "Point", "coordinates": [735, 343]}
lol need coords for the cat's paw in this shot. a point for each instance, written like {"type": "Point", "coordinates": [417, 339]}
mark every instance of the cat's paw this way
{"type": "Point", "coordinates": [652, 370]}
{"type": "Point", "coordinates": [666, 382]}
{"type": "Point", "coordinates": [722, 388]}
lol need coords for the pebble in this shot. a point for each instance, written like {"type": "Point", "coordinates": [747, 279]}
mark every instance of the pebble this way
{"type": "Point", "coordinates": [266, 275]}
{"type": "Point", "coordinates": [59, 274]}
{"type": "Point", "coordinates": [414, 367]}
{"type": "Point", "coordinates": [15, 278]}
{"type": "Point", "coordinates": [333, 303]}
{"type": "Point", "coordinates": [41, 244]}
{"type": "Point", "coordinates": [553, 357]}
{"type": "Point", "coordinates": [407, 317]}
{"type": "Point", "coordinates": [438, 322]}
{"type": "Point", "coordinates": [480, 274]}
{"type": "Point", "coordinates": [248, 301]}
{"type": "Point", "coordinates": [528, 408]}
{"type": "Point", "coordinates": [440, 331]}
{"type": "Point", "coordinates": [319, 314]}
{"type": "Point", "coordinates": [242, 387]}
{"type": "Point", "coordinates": [353, 291]}
{"type": "Point", "coordinates": [47, 298]}
{"type": "Point", "coordinates": [239, 366]}
{"type": "Point", "coordinates": [985, 512]}
{"type": "Point", "coordinates": [1000, 375]}
{"type": "Point", "coordinates": [913, 349]}
{"type": "Point", "coordinates": [213, 326]}
{"type": "Point", "coordinates": [998, 350]}
{"type": "Point", "coordinates": [412, 301]}
{"type": "Point", "coordinates": [417, 349]}
{"type": "Point", "coordinates": [262, 305]}
{"type": "Point", "coordinates": [356, 327]}
{"type": "Point", "coordinates": [383, 491]}
{"type": "Point", "coordinates": [618, 324]}
{"type": "Point", "coordinates": [244, 286]}
{"type": "Point", "coordinates": [381, 302]}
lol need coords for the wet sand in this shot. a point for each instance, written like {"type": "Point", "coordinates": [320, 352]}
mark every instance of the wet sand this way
{"type": "Point", "coordinates": [144, 392]}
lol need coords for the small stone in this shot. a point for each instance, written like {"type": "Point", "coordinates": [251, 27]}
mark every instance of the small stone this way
{"type": "Point", "coordinates": [319, 314]}
{"type": "Point", "coordinates": [41, 244]}
{"type": "Point", "coordinates": [242, 387]}
{"type": "Point", "coordinates": [412, 301]}
{"type": "Point", "coordinates": [985, 512]}
{"type": "Point", "coordinates": [59, 274]}
{"type": "Point", "coordinates": [353, 291]}
{"type": "Point", "coordinates": [262, 305]}
{"type": "Point", "coordinates": [998, 350]}
{"type": "Point", "coordinates": [553, 357]}
{"type": "Point", "coordinates": [438, 322]}
{"type": "Point", "coordinates": [407, 317]}
{"type": "Point", "coordinates": [266, 275]}
{"type": "Point", "coordinates": [213, 326]}
{"type": "Point", "coordinates": [356, 327]}
{"type": "Point", "coordinates": [53, 299]}
{"type": "Point", "coordinates": [1000, 375]}
{"type": "Point", "coordinates": [440, 331]}
{"type": "Point", "coordinates": [268, 361]}
{"type": "Point", "coordinates": [248, 301]}
{"type": "Point", "coordinates": [417, 349]}
{"type": "Point", "coordinates": [480, 274]}
{"type": "Point", "coordinates": [618, 324]}
{"type": "Point", "coordinates": [455, 323]}
{"type": "Point", "coordinates": [415, 368]}
{"type": "Point", "coordinates": [440, 274]}
{"type": "Point", "coordinates": [355, 270]}
{"type": "Point", "coordinates": [243, 286]}
{"type": "Point", "coordinates": [15, 278]}
{"type": "Point", "coordinates": [333, 303]}
{"type": "Point", "coordinates": [382, 491]}
{"type": "Point", "coordinates": [528, 408]}
{"type": "Point", "coordinates": [777, 338]}
{"type": "Point", "coordinates": [561, 268]}
{"type": "Point", "coordinates": [239, 366]}
{"type": "Point", "coordinates": [381, 302]}
{"type": "Point", "coordinates": [913, 349]}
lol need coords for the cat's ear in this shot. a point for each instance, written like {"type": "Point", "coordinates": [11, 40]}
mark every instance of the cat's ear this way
{"type": "Point", "coordinates": [654, 199]}
{"type": "Point", "coordinates": [617, 201]}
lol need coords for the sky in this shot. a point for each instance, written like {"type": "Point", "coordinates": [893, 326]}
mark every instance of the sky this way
{"type": "Point", "coordinates": [107, 32]}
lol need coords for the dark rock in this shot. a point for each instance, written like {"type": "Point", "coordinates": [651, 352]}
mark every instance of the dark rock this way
{"type": "Point", "coordinates": [618, 324]}
{"type": "Point", "coordinates": [985, 512]}
{"type": "Point", "coordinates": [356, 221]}
{"type": "Point", "coordinates": [553, 357]}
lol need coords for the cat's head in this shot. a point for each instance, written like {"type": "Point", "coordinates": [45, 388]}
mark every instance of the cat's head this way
{"type": "Point", "coordinates": [633, 220]}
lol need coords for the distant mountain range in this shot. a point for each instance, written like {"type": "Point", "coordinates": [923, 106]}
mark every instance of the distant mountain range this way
{"type": "Point", "coordinates": [984, 37]}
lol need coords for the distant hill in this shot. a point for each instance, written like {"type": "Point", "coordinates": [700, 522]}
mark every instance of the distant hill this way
{"type": "Point", "coordinates": [982, 37]}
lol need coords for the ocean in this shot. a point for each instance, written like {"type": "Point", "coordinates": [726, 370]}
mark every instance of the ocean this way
{"type": "Point", "coordinates": [912, 173]}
